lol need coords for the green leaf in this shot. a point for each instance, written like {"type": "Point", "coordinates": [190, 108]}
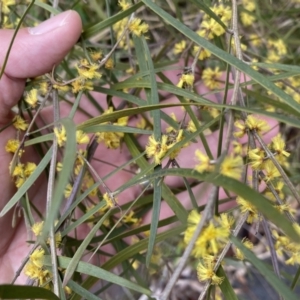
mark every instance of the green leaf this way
{"type": "Point", "coordinates": [9, 291]}
{"type": "Point", "coordinates": [48, 7]}
{"type": "Point", "coordinates": [275, 282]}
{"type": "Point", "coordinates": [98, 272]}
{"type": "Point", "coordinates": [225, 286]}
{"type": "Point", "coordinates": [80, 250]}
{"type": "Point", "coordinates": [28, 183]}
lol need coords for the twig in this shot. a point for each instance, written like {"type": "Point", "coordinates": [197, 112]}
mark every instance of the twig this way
{"type": "Point", "coordinates": [50, 189]}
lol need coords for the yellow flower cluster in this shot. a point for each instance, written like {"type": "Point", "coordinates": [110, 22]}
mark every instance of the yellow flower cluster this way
{"type": "Point", "coordinates": [4, 4]}
{"type": "Point", "coordinates": [112, 140]}
{"type": "Point", "coordinates": [213, 236]}
{"type": "Point", "coordinates": [35, 270]}
{"type": "Point", "coordinates": [251, 123]}
{"type": "Point", "coordinates": [21, 172]}
{"type": "Point", "coordinates": [284, 245]}
{"type": "Point", "coordinates": [211, 77]}
{"type": "Point", "coordinates": [37, 229]}
{"type": "Point", "coordinates": [158, 149]}
{"type": "Point", "coordinates": [210, 27]}
{"type": "Point", "coordinates": [247, 14]}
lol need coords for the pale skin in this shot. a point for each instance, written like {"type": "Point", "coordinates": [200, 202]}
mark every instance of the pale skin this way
{"type": "Point", "coordinates": [31, 56]}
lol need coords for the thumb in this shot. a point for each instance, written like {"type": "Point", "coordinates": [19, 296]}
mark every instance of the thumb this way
{"type": "Point", "coordinates": [34, 52]}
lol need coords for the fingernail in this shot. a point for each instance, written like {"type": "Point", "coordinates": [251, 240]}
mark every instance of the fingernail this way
{"type": "Point", "coordinates": [51, 24]}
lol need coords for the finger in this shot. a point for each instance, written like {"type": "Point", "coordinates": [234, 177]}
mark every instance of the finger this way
{"type": "Point", "coordinates": [35, 51]}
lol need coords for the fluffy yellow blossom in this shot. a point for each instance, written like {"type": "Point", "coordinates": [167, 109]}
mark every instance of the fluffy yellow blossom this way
{"type": "Point", "coordinates": [61, 135]}
{"type": "Point", "coordinates": [19, 123]}
{"type": "Point", "coordinates": [44, 88]}
{"type": "Point", "coordinates": [203, 53]}
{"type": "Point", "coordinates": [205, 271]}
{"type": "Point", "coordinates": [211, 77]}
{"type": "Point", "coordinates": [223, 12]}
{"type": "Point", "coordinates": [82, 137]}
{"type": "Point", "coordinates": [37, 257]}
{"type": "Point", "coordinates": [5, 5]}
{"type": "Point", "coordinates": [239, 124]}
{"type": "Point", "coordinates": [12, 145]}
{"type": "Point", "coordinates": [157, 149]}
{"type": "Point", "coordinates": [232, 166]}
{"type": "Point", "coordinates": [32, 97]}
{"type": "Point", "coordinates": [278, 145]}
{"type": "Point", "coordinates": [247, 207]}
{"type": "Point", "coordinates": [124, 4]}
{"type": "Point", "coordinates": [204, 165]}
{"type": "Point", "coordinates": [138, 28]}
{"type": "Point", "coordinates": [179, 47]}
{"type": "Point", "coordinates": [110, 200]}
{"type": "Point", "coordinates": [247, 18]}
{"type": "Point", "coordinates": [110, 64]}
{"type": "Point", "coordinates": [68, 190]}
{"type": "Point", "coordinates": [87, 70]}
{"type": "Point", "coordinates": [186, 80]}
{"type": "Point", "coordinates": [238, 253]}
{"type": "Point", "coordinates": [37, 228]}
{"type": "Point", "coordinates": [81, 84]}
{"type": "Point", "coordinates": [210, 28]}
{"type": "Point", "coordinates": [259, 125]}
{"type": "Point", "coordinates": [212, 238]}
{"type": "Point", "coordinates": [270, 171]}
{"type": "Point", "coordinates": [112, 140]}
{"type": "Point", "coordinates": [61, 87]}
{"type": "Point", "coordinates": [257, 158]}
{"type": "Point", "coordinates": [129, 218]}
{"type": "Point", "coordinates": [96, 56]}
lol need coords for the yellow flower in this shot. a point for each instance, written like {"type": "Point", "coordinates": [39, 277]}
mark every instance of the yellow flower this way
{"type": "Point", "coordinates": [247, 207]}
{"type": "Point", "coordinates": [270, 171]}
{"type": "Point", "coordinates": [32, 98]}
{"type": "Point", "coordinates": [109, 64]}
{"type": "Point", "coordinates": [186, 80]}
{"type": "Point", "coordinates": [157, 149]}
{"type": "Point", "coordinates": [5, 5]}
{"type": "Point", "coordinates": [124, 4]}
{"type": "Point", "coordinates": [238, 253]}
{"type": "Point", "coordinates": [82, 85]}
{"type": "Point", "coordinates": [232, 166]}
{"type": "Point", "coordinates": [110, 200]}
{"type": "Point", "coordinates": [37, 257]}
{"type": "Point", "coordinates": [247, 18]}
{"type": "Point", "coordinates": [206, 272]}
{"type": "Point", "coordinates": [257, 158]}
{"type": "Point", "coordinates": [204, 164]}
{"type": "Point", "coordinates": [242, 129]}
{"type": "Point", "coordinates": [87, 70]}
{"type": "Point", "coordinates": [37, 228]}
{"type": "Point", "coordinates": [278, 145]}
{"type": "Point", "coordinates": [211, 77]}
{"type": "Point", "coordinates": [137, 28]}
{"type": "Point", "coordinates": [19, 123]}
{"type": "Point", "coordinates": [179, 47]}
{"type": "Point", "coordinates": [254, 123]}
{"type": "Point", "coordinates": [61, 135]}
{"type": "Point", "coordinates": [68, 190]}
{"type": "Point", "coordinates": [203, 53]}
{"type": "Point", "coordinates": [96, 55]}
{"type": "Point", "coordinates": [82, 137]}
{"type": "Point", "coordinates": [130, 219]}
{"type": "Point", "coordinates": [212, 238]}
{"type": "Point", "coordinates": [12, 145]}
